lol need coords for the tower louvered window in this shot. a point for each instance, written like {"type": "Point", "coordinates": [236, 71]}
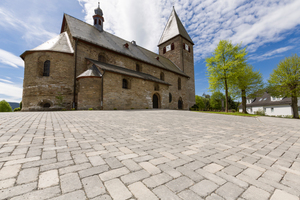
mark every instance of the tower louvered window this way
{"type": "Point", "coordinates": [164, 50]}
{"type": "Point", "coordinates": [46, 68]}
{"type": "Point", "coordinates": [172, 46]}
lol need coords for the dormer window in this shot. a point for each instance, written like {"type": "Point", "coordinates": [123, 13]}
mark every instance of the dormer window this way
{"type": "Point", "coordinates": [126, 45]}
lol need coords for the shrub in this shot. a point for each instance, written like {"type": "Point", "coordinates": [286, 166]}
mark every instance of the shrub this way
{"type": "Point", "coordinates": [147, 108]}
{"type": "Point", "coordinates": [90, 108]}
{"type": "Point", "coordinates": [5, 107]}
{"type": "Point", "coordinates": [132, 108]}
{"type": "Point", "coordinates": [73, 109]}
{"type": "Point", "coordinates": [17, 109]}
{"type": "Point", "coordinates": [21, 105]}
{"type": "Point", "coordinates": [115, 108]}
{"type": "Point", "coordinates": [260, 112]}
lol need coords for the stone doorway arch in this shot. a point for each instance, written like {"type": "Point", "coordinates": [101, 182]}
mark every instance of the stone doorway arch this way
{"type": "Point", "coordinates": [156, 100]}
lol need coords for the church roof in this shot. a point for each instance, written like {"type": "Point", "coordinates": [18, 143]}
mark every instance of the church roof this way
{"type": "Point", "coordinates": [60, 43]}
{"type": "Point", "coordinates": [92, 72]}
{"type": "Point", "coordinates": [174, 28]}
{"type": "Point", "coordinates": [90, 34]}
{"type": "Point", "coordinates": [125, 71]}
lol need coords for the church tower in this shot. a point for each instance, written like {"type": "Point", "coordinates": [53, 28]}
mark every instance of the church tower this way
{"type": "Point", "coordinates": [176, 45]}
{"type": "Point", "coordinates": [98, 18]}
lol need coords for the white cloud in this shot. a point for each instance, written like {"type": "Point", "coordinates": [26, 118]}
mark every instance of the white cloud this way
{"type": "Point", "coordinates": [31, 29]}
{"type": "Point", "coordinates": [6, 81]}
{"type": "Point", "coordinates": [10, 59]}
{"type": "Point", "coordinates": [14, 92]}
{"type": "Point", "coordinates": [271, 54]}
{"type": "Point", "coordinates": [254, 23]}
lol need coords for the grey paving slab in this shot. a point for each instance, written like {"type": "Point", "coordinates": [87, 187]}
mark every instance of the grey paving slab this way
{"type": "Point", "coordinates": [148, 154]}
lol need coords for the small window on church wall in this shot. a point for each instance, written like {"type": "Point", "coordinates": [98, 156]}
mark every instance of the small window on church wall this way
{"type": "Point", "coordinates": [125, 84]}
{"type": "Point", "coordinates": [46, 68]}
{"type": "Point", "coordinates": [168, 48]}
{"type": "Point", "coordinates": [164, 50]}
{"type": "Point", "coordinates": [162, 76]}
{"type": "Point", "coordinates": [156, 87]}
{"type": "Point", "coordinates": [172, 46]}
{"type": "Point", "coordinates": [170, 97]}
{"type": "Point", "coordinates": [101, 58]}
{"type": "Point", "coordinates": [138, 68]}
{"type": "Point", "coordinates": [95, 21]}
{"type": "Point", "coordinates": [179, 83]}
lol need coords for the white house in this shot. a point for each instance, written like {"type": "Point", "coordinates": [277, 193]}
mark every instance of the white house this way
{"type": "Point", "coordinates": [270, 105]}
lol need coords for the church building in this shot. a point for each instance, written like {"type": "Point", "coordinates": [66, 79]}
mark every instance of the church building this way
{"type": "Point", "coordinates": [86, 67]}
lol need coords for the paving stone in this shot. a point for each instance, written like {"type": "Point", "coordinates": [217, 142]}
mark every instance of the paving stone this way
{"type": "Point", "coordinates": [127, 156]}
{"type": "Point", "coordinates": [49, 178]}
{"type": "Point", "coordinates": [117, 189]}
{"type": "Point", "coordinates": [280, 195]}
{"type": "Point", "coordinates": [213, 168]}
{"type": "Point", "coordinates": [17, 190]}
{"type": "Point", "coordinates": [150, 168]}
{"type": "Point", "coordinates": [93, 171]}
{"type": "Point", "coordinates": [125, 150]}
{"type": "Point", "coordinates": [39, 163]}
{"type": "Point", "coordinates": [157, 180]}
{"type": "Point", "coordinates": [253, 173]}
{"type": "Point", "coordinates": [232, 170]}
{"type": "Point", "coordinates": [103, 197]}
{"type": "Point", "coordinates": [169, 170]}
{"type": "Point", "coordinates": [140, 191]}
{"type": "Point", "coordinates": [131, 165]}
{"type": "Point", "coordinates": [7, 183]}
{"type": "Point", "coordinates": [74, 168]}
{"type": "Point", "coordinates": [56, 165]}
{"type": "Point", "coordinates": [80, 158]}
{"type": "Point", "coordinates": [28, 175]}
{"type": "Point", "coordinates": [188, 194]}
{"type": "Point", "coordinates": [135, 176]}
{"type": "Point", "coordinates": [179, 184]}
{"type": "Point", "coordinates": [190, 173]}
{"type": "Point", "coordinates": [77, 195]}
{"type": "Point", "coordinates": [204, 188]}
{"type": "Point", "coordinates": [21, 161]}
{"type": "Point", "coordinates": [114, 173]}
{"type": "Point", "coordinates": [113, 163]}
{"type": "Point", "coordinates": [168, 155]}
{"type": "Point", "coordinates": [158, 161]}
{"type": "Point", "coordinates": [40, 194]}
{"type": "Point", "coordinates": [165, 194]}
{"type": "Point", "coordinates": [93, 186]}
{"type": "Point", "coordinates": [211, 176]}
{"type": "Point", "coordinates": [96, 160]}
{"type": "Point", "coordinates": [229, 191]}
{"type": "Point", "coordinates": [64, 156]}
{"type": "Point", "coordinates": [254, 193]}
{"type": "Point", "coordinates": [9, 171]}
{"type": "Point", "coordinates": [70, 182]}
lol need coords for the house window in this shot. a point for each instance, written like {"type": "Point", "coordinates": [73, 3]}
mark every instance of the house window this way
{"type": "Point", "coordinates": [272, 109]}
{"type": "Point", "coordinates": [138, 68]}
{"type": "Point", "coordinates": [170, 97]}
{"type": "Point", "coordinates": [46, 68]}
{"type": "Point", "coordinates": [156, 87]}
{"type": "Point", "coordinates": [125, 84]}
{"type": "Point", "coordinates": [179, 83]}
{"type": "Point", "coordinates": [265, 110]}
{"type": "Point", "coordinates": [172, 46]}
{"type": "Point", "coordinates": [101, 58]}
{"type": "Point", "coordinates": [162, 76]}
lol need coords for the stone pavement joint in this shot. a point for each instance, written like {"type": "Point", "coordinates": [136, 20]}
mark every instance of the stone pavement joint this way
{"type": "Point", "coordinates": [148, 154]}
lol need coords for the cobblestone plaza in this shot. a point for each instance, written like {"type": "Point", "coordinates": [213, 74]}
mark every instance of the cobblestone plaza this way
{"type": "Point", "coordinates": [151, 154]}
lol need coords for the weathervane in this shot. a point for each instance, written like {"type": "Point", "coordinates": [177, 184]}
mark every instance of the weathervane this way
{"type": "Point", "coordinates": [173, 3]}
{"type": "Point", "coordinates": [99, 4]}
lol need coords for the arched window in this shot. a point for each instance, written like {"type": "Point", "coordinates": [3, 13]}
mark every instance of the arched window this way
{"type": "Point", "coordinates": [172, 46]}
{"type": "Point", "coordinates": [162, 76]}
{"type": "Point", "coordinates": [46, 68]}
{"type": "Point", "coordinates": [101, 58]}
{"type": "Point", "coordinates": [138, 68]}
{"type": "Point", "coordinates": [180, 103]}
{"type": "Point", "coordinates": [170, 97]}
{"type": "Point", "coordinates": [95, 21]}
{"type": "Point", "coordinates": [125, 84]}
{"type": "Point", "coordinates": [179, 83]}
{"type": "Point", "coordinates": [164, 50]}
{"type": "Point", "coordinates": [156, 87]}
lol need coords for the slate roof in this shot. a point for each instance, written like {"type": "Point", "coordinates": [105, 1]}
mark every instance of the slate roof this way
{"type": "Point", "coordinates": [173, 28]}
{"type": "Point", "coordinates": [265, 100]}
{"type": "Point", "coordinates": [60, 43]}
{"type": "Point", "coordinates": [92, 72]}
{"type": "Point", "coordinates": [125, 71]}
{"type": "Point", "coordinates": [90, 34]}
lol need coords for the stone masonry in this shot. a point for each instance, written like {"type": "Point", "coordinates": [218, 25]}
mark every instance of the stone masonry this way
{"type": "Point", "coordinates": [148, 154]}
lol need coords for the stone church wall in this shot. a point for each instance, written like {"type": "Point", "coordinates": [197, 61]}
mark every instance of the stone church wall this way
{"type": "Point", "coordinates": [39, 90]}
{"type": "Point", "coordinates": [89, 93]}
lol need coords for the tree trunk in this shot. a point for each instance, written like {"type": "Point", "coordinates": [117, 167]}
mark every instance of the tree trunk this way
{"type": "Point", "coordinates": [295, 106]}
{"type": "Point", "coordinates": [226, 96]}
{"type": "Point", "coordinates": [244, 104]}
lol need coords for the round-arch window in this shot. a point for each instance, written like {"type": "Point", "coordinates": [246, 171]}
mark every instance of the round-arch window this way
{"type": "Point", "coordinates": [170, 97]}
{"type": "Point", "coordinates": [47, 105]}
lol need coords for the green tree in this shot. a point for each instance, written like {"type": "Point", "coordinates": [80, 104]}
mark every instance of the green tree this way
{"type": "Point", "coordinates": [222, 66]}
{"type": "Point", "coordinates": [216, 100]}
{"type": "Point", "coordinates": [246, 82]}
{"type": "Point", "coordinates": [5, 107]}
{"type": "Point", "coordinates": [200, 102]}
{"type": "Point", "coordinates": [206, 98]}
{"type": "Point", "coordinates": [285, 81]}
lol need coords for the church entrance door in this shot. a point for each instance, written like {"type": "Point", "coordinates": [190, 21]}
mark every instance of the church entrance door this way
{"type": "Point", "coordinates": [180, 104]}
{"type": "Point", "coordinates": [155, 101]}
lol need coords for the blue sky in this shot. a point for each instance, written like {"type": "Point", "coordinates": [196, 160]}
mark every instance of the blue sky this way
{"type": "Point", "coordinates": [270, 29]}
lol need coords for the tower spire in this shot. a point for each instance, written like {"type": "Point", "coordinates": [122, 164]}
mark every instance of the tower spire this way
{"type": "Point", "coordinates": [98, 18]}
